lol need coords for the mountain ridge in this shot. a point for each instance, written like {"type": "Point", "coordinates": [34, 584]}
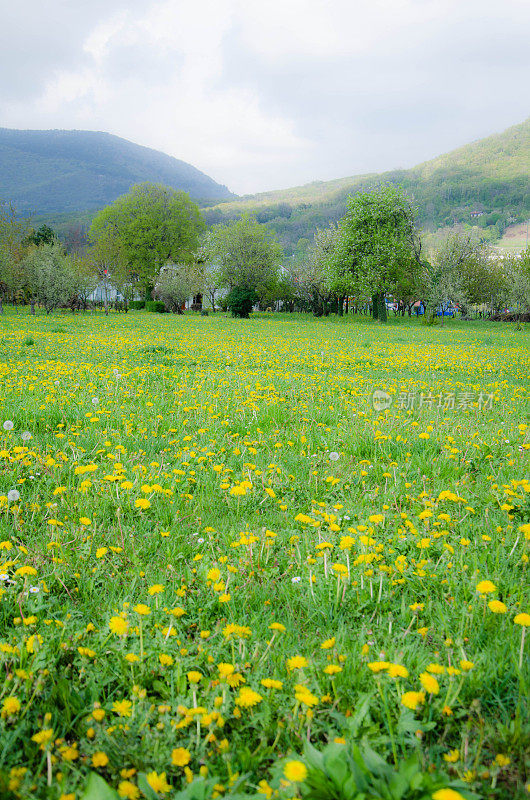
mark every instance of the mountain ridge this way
{"type": "Point", "coordinates": [484, 183]}
{"type": "Point", "coordinates": [65, 171]}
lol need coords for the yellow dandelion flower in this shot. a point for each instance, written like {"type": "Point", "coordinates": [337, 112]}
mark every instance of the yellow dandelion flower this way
{"type": "Point", "coordinates": [100, 759]}
{"type": "Point", "coordinates": [180, 757]}
{"type": "Point", "coordinates": [429, 683]}
{"type": "Point", "coordinates": [247, 697]}
{"type": "Point", "coordinates": [486, 587]}
{"type": "Point", "coordinates": [412, 699]}
{"type": "Point", "coordinates": [295, 771]}
{"type": "Point", "coordinates": [118, 625]}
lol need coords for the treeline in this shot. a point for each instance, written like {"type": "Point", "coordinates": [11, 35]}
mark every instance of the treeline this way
{"type": "Point", "coordinates": [153, 244]}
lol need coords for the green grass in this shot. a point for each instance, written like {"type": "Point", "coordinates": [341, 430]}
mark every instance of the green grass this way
{"type": "Point", "coordinates": [228, 430]}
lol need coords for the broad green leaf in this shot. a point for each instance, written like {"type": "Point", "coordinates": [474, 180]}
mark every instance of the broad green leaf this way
{"type": "Point", "coordinates": [98, 789]}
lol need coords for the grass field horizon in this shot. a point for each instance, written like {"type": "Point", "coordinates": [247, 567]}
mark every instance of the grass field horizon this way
{"type": "Point", "coordinates": [217, 553]}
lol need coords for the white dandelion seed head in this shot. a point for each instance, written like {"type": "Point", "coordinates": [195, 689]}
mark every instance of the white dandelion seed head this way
{"type": "Point", "coordinates": [8, 425]}
{"type": "Point", "coordinates": [26, 436]}
{"type": "Point", "coordinates": [333, 456]}
{"type": "Point", "coordinates": [95, 401]}
{"type": "Point", "coordinates": [13, 495]}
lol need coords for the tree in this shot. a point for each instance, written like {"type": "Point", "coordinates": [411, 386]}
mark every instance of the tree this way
{"type": "Point", "coordinates": [314, 274]}
{"type": "Point", "coordinates": [13, 238]}
{"type": "Point", "coordinates": [49, 276]}
{"type": "Point", "coordinates": [458, 272]}
{"type": "Point", "coordinates": [176, 283]}
{"type": "Point", "coordinates": [149, 226]}
{"type": "Point", "coordinates": [83, 279]}
{"type": "Point", "coordinates": [43, 235]}
{"type": "Point", "coordinates": [378, 243]}
{"type": "Point", "coordinates": [517, 268]}
{"type": "Point", "coordinates": [211, 282]}
{"type": "Point", "coordinates": [108, 262]}
{"type": "Point", "coordinates": [209, 268]}
{"type": "Point", "coordinates": [240, 301]}
{"type": "Point", "coordinates": [246, 253]}
{"type": "Point", "coordinates": [75, 239]}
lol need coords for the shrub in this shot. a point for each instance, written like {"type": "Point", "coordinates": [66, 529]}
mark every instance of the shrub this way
{"type": "Point", "coordinates": [204, 313]}
{"type": "Point", "coordinates": [156, 306]}
{"type": "Point", "coordinates": [240, 301]}
{"type": "Point", "coordinates": [137, 304]}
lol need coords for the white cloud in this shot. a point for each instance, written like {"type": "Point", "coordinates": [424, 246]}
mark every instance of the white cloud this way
{"type": "Point", "coordinates": [266, 95]}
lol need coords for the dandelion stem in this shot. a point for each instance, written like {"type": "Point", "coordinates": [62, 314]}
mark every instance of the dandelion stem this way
{"type": "Point", "coordinates": [389, 721]}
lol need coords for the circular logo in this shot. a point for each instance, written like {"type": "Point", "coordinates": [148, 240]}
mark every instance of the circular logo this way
{"type": "Point", "coordinates": [381, 400]}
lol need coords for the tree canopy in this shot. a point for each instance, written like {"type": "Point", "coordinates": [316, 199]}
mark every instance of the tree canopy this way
{"type": "Point", "coordinates": [145, 229]}
{"type": "Point", "coordinates": [378, 244]}
{"type": "Point", "coordinates": [247, 254]}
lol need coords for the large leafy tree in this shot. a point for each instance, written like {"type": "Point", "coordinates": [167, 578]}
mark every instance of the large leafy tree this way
{"type": "Point", "coordinates": [145, 229]}
{"type": "Point", "coordinates": [378, 244]}
{"type": "Point", "coordinates": [246, 253]}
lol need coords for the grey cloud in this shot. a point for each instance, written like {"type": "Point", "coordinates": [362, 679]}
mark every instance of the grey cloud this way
{"type": "Point", "coordinates": [398, 105]}
{"type": "Point", "coordinates": [38, 39]}
{"type": "Point", "coordinates": [425, 90]}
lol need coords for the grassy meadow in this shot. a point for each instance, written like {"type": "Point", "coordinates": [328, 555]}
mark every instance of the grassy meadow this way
{"type": "Point", "coordinates": [215, 554]}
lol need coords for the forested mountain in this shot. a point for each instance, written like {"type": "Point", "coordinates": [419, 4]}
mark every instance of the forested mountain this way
{"type": "Point", "coordinates": [485, 183]}
{"type": "Point", "coordinates": [53, 172]}
{"type": "Point", "coordinates": [63, 177]}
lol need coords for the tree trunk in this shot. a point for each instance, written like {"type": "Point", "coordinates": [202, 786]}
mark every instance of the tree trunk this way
{"type": "Point", "coordinates": [381, 311]}
{"type": "Point", "coordinates": [375, 306]}
{"type": "Point", "coordinates": [32, 306]}
{"type": "Point", "coordinates": [1, 306]}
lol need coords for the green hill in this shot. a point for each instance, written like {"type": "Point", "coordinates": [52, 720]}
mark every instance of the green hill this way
{"type": "Point", "coordinates": [64, 172]}
{"type": "Point", "coordinates": [485, 183]}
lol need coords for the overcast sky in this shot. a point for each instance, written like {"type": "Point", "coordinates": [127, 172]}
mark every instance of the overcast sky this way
{"type": "Point", "coordinates": [264, 94]}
